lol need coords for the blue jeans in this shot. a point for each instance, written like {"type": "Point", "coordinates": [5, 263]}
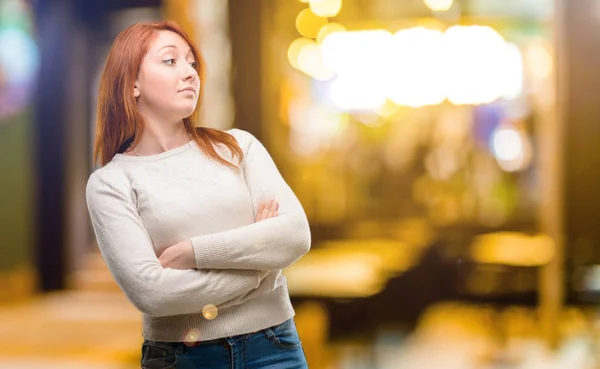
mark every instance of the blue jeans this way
{"type": "Point", "coordinates": [277, 347]}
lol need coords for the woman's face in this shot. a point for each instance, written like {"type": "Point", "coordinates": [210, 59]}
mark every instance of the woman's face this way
{"type": "Point", "coordinates": [167, 85]}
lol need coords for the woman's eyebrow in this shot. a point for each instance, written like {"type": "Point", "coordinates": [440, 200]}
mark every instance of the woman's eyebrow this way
{"type": "Point", "coordinates": [164, 47]}
{"type": "Point", "coordinates": [173, 46]}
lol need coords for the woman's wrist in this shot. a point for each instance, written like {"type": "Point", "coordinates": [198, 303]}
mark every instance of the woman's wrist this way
{"type": "Point", "coordinates": [178, 256]}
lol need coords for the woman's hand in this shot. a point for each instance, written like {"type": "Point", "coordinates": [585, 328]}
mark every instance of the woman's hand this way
{"type": "Point", "coordinates": [178, 256]}
{"type": "Point", "coordinates": [181, 255]}
{"type": "Point", "coordinates": [267, 210]}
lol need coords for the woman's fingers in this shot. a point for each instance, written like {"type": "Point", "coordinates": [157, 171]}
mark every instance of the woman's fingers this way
{"type": "Point", "coordinates": [259, 212]}
{"type": "Point", "coordinates": [264, 211]}
{"type": "Point", "coordinates": [267, 210]}
{"type": "Point", "coordinates": [271, 212]}
{"type": "Point", "coordinates": [274, 209]}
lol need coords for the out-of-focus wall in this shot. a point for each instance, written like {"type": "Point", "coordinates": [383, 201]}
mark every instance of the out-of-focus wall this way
{"type": "Point", "coordinates": [18, 67]}
{"type": "Point", "coordinates": [16, 205]}
{"type": "Point", "coordinates": [207, 23]}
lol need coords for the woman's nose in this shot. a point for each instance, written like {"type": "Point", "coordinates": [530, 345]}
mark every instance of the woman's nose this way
{"type": "Point", "coordinates": [189, 73]}
{"type": "Point", "coordinates": [188, 76]}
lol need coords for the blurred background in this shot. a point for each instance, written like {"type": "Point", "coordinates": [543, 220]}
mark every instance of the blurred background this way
{"type": "Point", "coordinates": [446, 153]}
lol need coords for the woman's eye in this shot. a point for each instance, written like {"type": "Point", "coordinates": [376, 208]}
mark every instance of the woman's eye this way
{"type": "Point", "coordinates": [169, 61]}
{"type": "Point", "coordinates": [194, 64]}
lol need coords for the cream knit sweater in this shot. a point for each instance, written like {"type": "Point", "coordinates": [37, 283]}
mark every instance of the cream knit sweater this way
{"type": "Point", "coordinates": [140, 205]}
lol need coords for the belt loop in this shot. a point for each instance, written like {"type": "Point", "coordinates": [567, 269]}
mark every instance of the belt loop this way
{"type": "Point", "coordinates": [269, 333]}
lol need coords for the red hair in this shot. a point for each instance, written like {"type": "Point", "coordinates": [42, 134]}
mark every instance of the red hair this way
{"type": "Point", "coordinates": [119, 122]}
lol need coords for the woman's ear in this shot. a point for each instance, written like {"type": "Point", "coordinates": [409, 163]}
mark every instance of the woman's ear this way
{"type": "Point", "coordinates": [136, 91]}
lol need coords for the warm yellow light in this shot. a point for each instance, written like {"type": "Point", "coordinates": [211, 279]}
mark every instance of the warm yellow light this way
{"type": "Point", "coordinates": [308, 23]}
{"type": "Point", "coordinates": [309, 57]}
{"type": "Point", "coordinates": [210, 312]}
{"type": "Point", "coordinates": [416, 67]}
{"type": "Point", "coordinates": [326, 8]}
{"type": "Point", "coordinates": [539, 61]}
{"type": "Point", "coordinates": [294, 50]}
{"type": "Point", "coordinates": [329, 29]}
{"type": "Point", "coordinates": [360, 60]}
{"type": "Point", "coordinates": [314, 127]}
{"type": "Point", "coordinates": [513, 71]}
{"type": "Point", "coordinates": [357, 93]}
{"type": "Point", "coordinates": [310, 61]}
{"type": "Point", "coordinates": [192, 336]}
{"type": "Point", "coordinates": [357, 52]}
{"type": "Point", "coordinates": [475, 62]}
{"type": "Point", "coordinates": [350, 268]}
{"type": "Point", "coordinates": [512, 248]}
{"type": "Point", "coordinates": [439, 5]}
{"type": "Point", "coordinates": [387, 110]}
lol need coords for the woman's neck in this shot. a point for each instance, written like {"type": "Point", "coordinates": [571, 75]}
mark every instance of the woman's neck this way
{"type": "Point", "coordinates": [155, 141]}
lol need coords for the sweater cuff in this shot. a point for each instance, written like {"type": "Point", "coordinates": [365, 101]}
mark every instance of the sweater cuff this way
{"type": "Point", "coordinates": [210, 252]}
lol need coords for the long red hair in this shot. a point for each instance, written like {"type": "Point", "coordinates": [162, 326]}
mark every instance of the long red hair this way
{"type": "Point", "coordinates": [119, 122]}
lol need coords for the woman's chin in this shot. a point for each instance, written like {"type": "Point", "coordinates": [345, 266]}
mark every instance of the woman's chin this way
{"type": "Point", "coordinates": [186, 112]}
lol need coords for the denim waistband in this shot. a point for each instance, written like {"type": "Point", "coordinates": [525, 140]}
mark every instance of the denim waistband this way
{"type": "Point", "coordinates": [225, 340]}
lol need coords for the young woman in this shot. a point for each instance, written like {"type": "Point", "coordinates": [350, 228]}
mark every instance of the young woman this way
{"type": "Point", "coordinates": [195, 224]}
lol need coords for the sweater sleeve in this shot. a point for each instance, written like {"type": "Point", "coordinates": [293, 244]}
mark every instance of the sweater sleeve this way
{"type": "Point", "coordinates": [270, 244]}
{"type": "Point", "coordinates": [129, 254]}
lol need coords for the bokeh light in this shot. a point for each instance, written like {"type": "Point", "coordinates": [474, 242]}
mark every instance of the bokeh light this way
{"type": "Point", "coordinates": [360, 60]}
{"type": "Point", "coordinates": [439, 5]}
{"type": "Point", "coordinates": [310, 61]}
{"type": "Point", "coordinates": [475, 59]}
{"type": "Point", "coordinates": [329, 29]}
{"type": "Point", "coordinates": [294, 50]}
{"type": "Point", "coordinates": [514, 72]}
{"type": "Point", "coordinates": [512, 248]}
{"type": "Point", "coordinates": [210, 311]}
{"type": "Point", "coordinates": [539, 61]}
{"type": "Point", "coordinates": [415, 68]}
{"type": "Point", "coordinates": [326, 8]}
{"type": "Point", "coordinates": [308, 23]}
{"type": "Point", "coordinates": [192, 337]}
{"type": "Point", "coordinates": [19, 57]}
{"type": "Point", "coordinates": [511, 148]}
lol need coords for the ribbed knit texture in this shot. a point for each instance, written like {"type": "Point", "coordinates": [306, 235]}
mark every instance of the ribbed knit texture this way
{"type": "Point", "coordinates": [140, 205]}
